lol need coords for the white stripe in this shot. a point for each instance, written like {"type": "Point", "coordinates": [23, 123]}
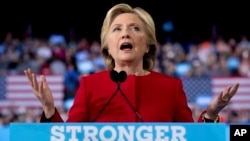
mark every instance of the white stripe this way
{"type": "Point", "coordinates": [31, 95]}
{"type": "Point", "coordinates": [241, 98]}
{"type": "Point", "coordinates": [4, 103]}
{"type": "Point", "coordinates": [230, 81]}
{"type": "Point", "coordinates": [23, 78]}
{"type": "Point", "coordinates": [21, 87]}
{"type": "Point", "coordinates": [27, 103]}
{"type": "Point", "coordinates": [217, 90]}
{"type": "Point", "coordinates": [239, 106]}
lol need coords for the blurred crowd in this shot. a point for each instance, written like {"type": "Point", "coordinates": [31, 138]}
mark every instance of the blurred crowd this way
{"type": "Point", "coordinates": [73, 58]}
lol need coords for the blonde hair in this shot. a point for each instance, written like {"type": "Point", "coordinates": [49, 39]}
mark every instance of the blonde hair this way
{"type": "Point", "coordinates": [150, 56]}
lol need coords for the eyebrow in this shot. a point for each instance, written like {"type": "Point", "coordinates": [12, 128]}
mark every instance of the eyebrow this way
{"type": "Point", "coordinates": [131, 24]}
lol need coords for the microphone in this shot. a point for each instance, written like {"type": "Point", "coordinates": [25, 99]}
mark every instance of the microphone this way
{"type": "Point", "coordinates": [122, 77]}
{"type": "Point", "coordinates": [118, 78]}
{"type": "Point", "coordinates": [114, 75]}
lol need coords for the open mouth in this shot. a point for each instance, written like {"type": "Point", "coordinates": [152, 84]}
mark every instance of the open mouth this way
{"type": "Point", "coordinates": [126, 46]}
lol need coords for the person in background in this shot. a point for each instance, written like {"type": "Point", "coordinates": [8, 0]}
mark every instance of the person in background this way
{"type": "Point", "coordinates": [128, 45]}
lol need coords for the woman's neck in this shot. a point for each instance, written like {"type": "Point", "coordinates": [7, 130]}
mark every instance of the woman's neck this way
{"type": "Point", "coordinates": [131, 68]}
{"type": "Point", "coordinates": [138, 70]}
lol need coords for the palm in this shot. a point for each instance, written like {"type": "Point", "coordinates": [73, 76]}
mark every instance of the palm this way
{"type": "Point", "coordinates": [219, 102]}
{"type": "Point", "coordinates": [40, 89]}
{"type": "Point", "coordinates": [44, 93]}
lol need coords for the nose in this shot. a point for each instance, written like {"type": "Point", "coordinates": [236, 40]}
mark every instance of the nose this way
{"type": "Point", "coordinates": [125, 34]}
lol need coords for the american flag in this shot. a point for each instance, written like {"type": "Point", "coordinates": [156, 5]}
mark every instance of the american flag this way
{"type": "Point", "coordinates": [15, 91]}
{"type": "Point", "coordinates": [212, 86]}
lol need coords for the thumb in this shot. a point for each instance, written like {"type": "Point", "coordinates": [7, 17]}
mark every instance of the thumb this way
{"type": "Point", "coordinates": [225, 94]}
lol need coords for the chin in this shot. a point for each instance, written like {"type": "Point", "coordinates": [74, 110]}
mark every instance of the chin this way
{"type": "Point", "coordinates": [126, 58]}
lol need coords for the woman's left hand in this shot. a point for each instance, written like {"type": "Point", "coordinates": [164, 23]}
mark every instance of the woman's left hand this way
{"type": "Point", "coordinates": [220, 101]}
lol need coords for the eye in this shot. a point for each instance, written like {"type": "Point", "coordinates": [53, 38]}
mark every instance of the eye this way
{"type": "Point", "coordinates": [135, 28]}
{"type": "Point", "coordinates": [116, 29]}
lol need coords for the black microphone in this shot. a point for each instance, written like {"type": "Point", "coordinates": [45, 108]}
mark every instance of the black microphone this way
{"type": "Point", "coordinates": [118, 78]}
{"type": "Point", "coordinates": [114, 75]}
{"type": "Point", "coordinates": [122, 77]}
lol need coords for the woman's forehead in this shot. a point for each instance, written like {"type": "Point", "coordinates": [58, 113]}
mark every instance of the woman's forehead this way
{"type": "Point", "coordinates": [127, 18]}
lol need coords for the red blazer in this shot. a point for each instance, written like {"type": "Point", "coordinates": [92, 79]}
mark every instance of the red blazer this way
{"type": "Point", "coordinates": [156, 97]}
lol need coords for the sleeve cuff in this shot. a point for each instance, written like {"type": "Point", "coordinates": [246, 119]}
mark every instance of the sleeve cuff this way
{"type": "Point", "coordinates": [44, 119]}
{"type": "Point", "coordinates": [206, 120]}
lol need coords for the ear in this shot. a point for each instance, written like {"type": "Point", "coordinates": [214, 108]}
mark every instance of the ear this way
{"type": "Point", "coordinates": [105, 51]}
{"type": "Point", "coordinates": [152, 47]}
{"type": "Point", "coordinates": [148, 48]}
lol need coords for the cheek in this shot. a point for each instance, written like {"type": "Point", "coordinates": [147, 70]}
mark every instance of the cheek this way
{"type": "Point", "coordinates": [111, 39]}
{"type": "Point", "coordinates": [141, 39]}
{"type": "Point", "coordinates": [141, 43]}
{"type": "Point", "coordinates": [111, 50]}
{"type": "Point", "coordinates": [112, 46]}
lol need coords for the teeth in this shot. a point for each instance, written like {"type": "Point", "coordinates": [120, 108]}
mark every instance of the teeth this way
{"type": "Point", "coordinates": [126, 46]}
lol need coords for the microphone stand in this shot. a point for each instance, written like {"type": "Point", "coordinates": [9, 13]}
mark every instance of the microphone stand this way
{"type": "Point", "coordinates": [130, 105]}
{"type": "Point", "coordinates": [107, 103]}
{"type": "Point", "coordinates": [118, 78]}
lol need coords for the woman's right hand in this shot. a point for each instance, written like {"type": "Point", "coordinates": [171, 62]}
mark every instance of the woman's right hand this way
{"type": "Point", "coordinates": [42, 92]}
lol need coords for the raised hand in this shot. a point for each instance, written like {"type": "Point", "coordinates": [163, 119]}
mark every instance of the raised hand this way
{"type": "Point", "coordinates": [220, 101]}
{"type": "Point", "coordinates": [42, 92]}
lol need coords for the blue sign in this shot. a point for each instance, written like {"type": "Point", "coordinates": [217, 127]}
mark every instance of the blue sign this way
{"type": "Point", "coordinates": [119, 132]}
{"type": "Point", "coordinates": [4, 133]}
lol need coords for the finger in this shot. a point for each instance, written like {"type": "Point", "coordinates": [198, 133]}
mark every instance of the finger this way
{"type": "Point", "coordinates": [29, 76]}
{"type": "Point", "coordinates": [29, 71]}
{"type": "Point", "coordinates": [233, 89]}
{"type": "Point", "coordinates": [225, 98]}
{"type": "Point", "coordinates": [34, 81]}
{"type": "Point", "coordinates": [229, 92]}
{"type": "Point", "coordinates": [41, 84]}
{"type": "Point", "coordinates": [225, 94]}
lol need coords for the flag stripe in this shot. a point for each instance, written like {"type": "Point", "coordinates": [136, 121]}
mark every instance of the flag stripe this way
{"type": "Point", "coordinates": [26, 86]}
{"type": "Point", "coordinates": [19, 103]}
{"type": "Point", "coordinates": [22, 78]}
{"type": "Point", "coordinates": [16, 91]}
{"type": "Point", "coordinates": [242, 89]}
{"type": "Point", "coordinates": [30, 95]}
